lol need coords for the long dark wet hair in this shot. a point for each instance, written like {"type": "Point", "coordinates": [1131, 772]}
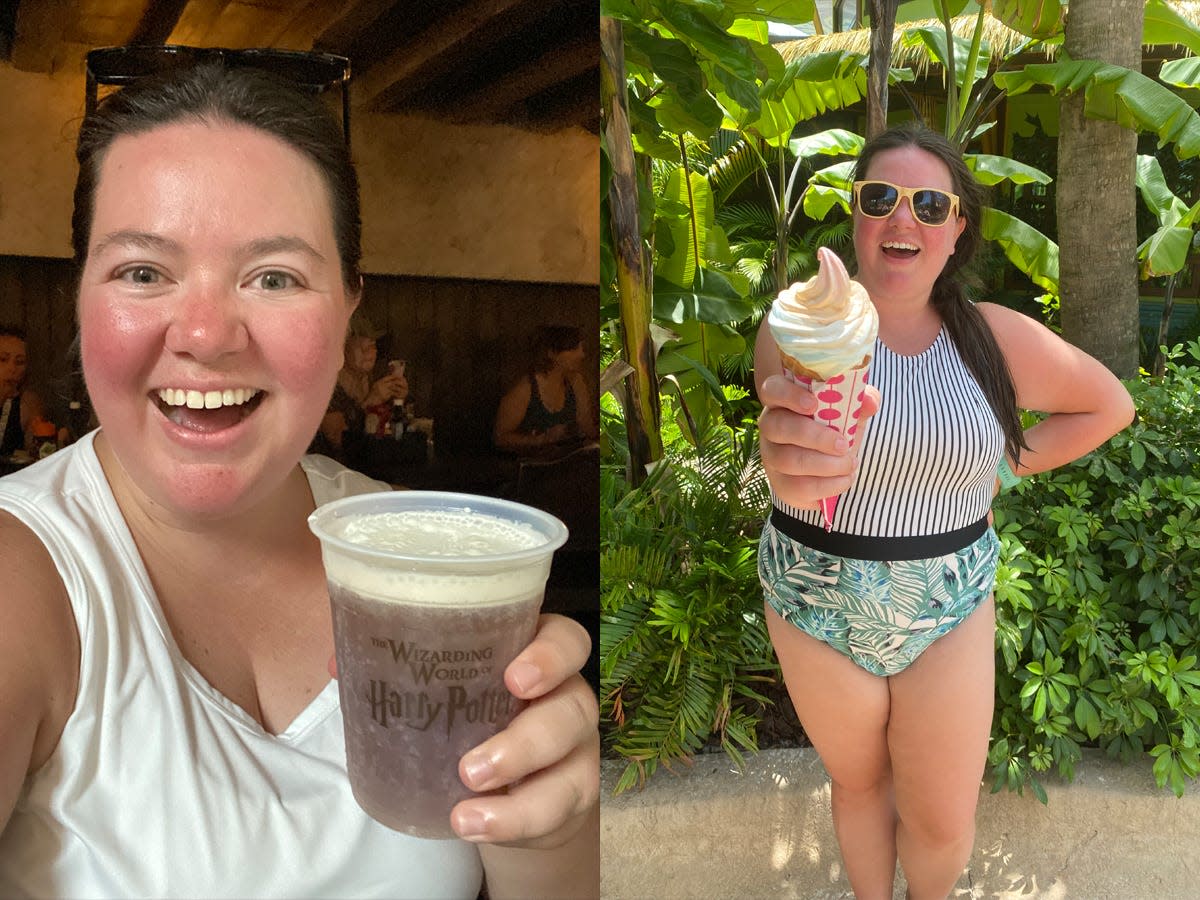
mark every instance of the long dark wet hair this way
{"type": "Point", "coordinates": [964, 323]}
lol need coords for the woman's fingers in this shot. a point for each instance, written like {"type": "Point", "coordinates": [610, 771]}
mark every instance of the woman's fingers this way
{"type": "Point", "coordinates": [787, 417]}
{"type": "Point", "coordinates": [558, 650]}
{"type": "Point", "coordinates": [798, 445]}
{"type": "Point", "coordinates": [548, 756]}
{"type": "Point", "coordinates": [779, 391]}
{"type": "Point", "coordinates": [543, 811]}
{"type": "Point", "coordinates": [548, 730]}
{"type": "Point", "coordinates": [804, 459]}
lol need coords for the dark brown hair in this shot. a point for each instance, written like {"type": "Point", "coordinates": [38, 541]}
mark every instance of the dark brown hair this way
{"type": "Point", "coordinates": [210, 92]}
{"type": "Point", "coordinates": [552, 339]}
{"type": "Point", "coordinates": [965, 325]}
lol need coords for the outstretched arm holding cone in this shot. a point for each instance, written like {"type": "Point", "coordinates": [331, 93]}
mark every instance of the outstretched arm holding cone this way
{"type": "Point", "coordinates": [805, 461]}
{"type": "Point", "coordinates": [821, 334]}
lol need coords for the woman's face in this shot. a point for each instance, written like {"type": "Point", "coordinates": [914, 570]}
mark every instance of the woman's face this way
{"type": "Point", "coordinates": [212, 312]}
{"type": "Point", "coordinates": [361, 354]}
{"type": "Point", "coordinates": [571, 360]}
{"type": "Point", "coordinates": [12, 366]}
{"type": "Point", "coordinates": [899, 258]}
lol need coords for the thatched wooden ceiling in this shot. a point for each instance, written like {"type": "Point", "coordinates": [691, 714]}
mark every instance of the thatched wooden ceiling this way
{"type": "Point", "coordinates": [529, 63]}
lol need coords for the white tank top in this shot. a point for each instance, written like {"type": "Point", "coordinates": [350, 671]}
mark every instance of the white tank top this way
{"type": "Point", "coordinates": [160, 785]}
{"type": "Point", "coordinates": [929, 457]}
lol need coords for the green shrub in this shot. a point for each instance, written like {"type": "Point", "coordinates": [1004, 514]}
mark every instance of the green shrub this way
{"type": "Point", "coordinates": [1097, 599]}
{"type": "Point", "coordinates": [683, 642]}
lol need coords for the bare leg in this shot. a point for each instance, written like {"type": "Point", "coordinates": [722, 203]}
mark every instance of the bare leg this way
{"type": "Point", "coordinates": [941, 719]}
{"type": "Point", "coordinates": [844, 710]}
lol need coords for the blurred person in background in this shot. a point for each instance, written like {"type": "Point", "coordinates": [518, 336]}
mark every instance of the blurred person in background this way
{"type": "Point", "coordinates": [550, 406]}
{"type": "Point", "coordinates": [358, 395]}
{"type": "Point", "coordinates": [21, 406]}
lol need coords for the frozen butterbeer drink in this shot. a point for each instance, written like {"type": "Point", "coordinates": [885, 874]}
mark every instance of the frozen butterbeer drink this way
{"type": "Point", "coordinates": [433, 595]}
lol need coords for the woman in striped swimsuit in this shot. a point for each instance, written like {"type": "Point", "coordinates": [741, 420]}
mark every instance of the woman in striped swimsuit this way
{"type": "Point", "coordinates": [884, 627]}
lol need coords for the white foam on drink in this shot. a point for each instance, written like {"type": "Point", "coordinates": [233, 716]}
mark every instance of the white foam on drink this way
{"type": "Point", "coordinates": [437, 535]}
{"type": "Point", "coordinates": [435, 532]}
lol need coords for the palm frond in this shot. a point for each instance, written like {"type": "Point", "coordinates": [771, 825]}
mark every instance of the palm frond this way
{"type": "Point", "coordinates": [683, 641]}
{"type": "Point", "coordinates": [755, 218]}
{"type": "Point", "coordinates": [729, 170]}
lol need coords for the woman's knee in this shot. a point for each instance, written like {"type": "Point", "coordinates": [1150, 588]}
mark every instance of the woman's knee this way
{"type": "Point", "coordinates": [941, 823]}
{"type": "Point", "coordinates": [860, 778]}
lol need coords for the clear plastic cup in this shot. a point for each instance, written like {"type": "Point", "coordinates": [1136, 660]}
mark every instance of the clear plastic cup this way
{"type": "Point", "coordinates": [433, 595]}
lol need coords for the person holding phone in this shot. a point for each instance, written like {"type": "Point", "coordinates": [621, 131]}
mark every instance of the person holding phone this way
{"type": "Point", "coordinates": [344, 430]}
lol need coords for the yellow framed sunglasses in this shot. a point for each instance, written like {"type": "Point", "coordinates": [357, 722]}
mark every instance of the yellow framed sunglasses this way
{"type": "Point", "coordinates": [930, 206]}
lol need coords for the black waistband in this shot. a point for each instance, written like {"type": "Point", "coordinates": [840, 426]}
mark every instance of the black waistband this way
{"type": "Point", "coordinates": [884, 549]}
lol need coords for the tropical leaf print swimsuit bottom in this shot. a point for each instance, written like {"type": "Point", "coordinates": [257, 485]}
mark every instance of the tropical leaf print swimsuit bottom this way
{"type": "Point", "coordinates": [881, 614]}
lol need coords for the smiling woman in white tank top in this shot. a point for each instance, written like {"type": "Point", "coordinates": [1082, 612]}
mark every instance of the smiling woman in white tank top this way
{"type": "Point", "coordinates": [170, 728]}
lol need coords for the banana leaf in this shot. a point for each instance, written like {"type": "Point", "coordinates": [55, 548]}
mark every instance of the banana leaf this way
{"type": "Point", "coordinates": [680, 264]}
{"type": "Point", "coordinates": [810, 86]}
{"type": "Point", "coordinates": [991, 170]}
{"type": "Point", "coordinates": [1163, 25]}
{"type": "Point", "coordinates": [1026, 247]}
{"type": "Point", "coordinates": [1115, 94]}
{"type": "Point", "coordinates": [1159, 198]}
{"type": "Point", "coordinates": [933, 39]}
{"type": "Point", "coordinates": [711, 298]}
{"type": "Point", "coordinates": [729, 52]}
{"type": "Point", "coordinates": [829, 187]}
{"type": "Point", "coordinates": [831, 142]}
{"type": "Point", "coordinates": [786, 12]}
{"type": "Point", "coordinates": [1039, 19]}
{"type": "Point", "coordinates": [1181, 73]}
{"type": "Point", "coordinates": [682, 103]}
{"type": "Point", "coordinates": [1165, 252]}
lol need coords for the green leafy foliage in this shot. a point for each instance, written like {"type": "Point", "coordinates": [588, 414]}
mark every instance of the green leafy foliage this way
{"type": "Point", "coordinates": [1097, 599]}
{"type": "Point", "coordinates": [1117, 95]}
{"type": "Point", "coordinates": [682, 638]}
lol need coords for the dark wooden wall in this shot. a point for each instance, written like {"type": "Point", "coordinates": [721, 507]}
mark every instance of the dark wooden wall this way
{"type": "Point", "coordinates": [37, 296]}
{"type": "Point", "coordinates": [464, 340]}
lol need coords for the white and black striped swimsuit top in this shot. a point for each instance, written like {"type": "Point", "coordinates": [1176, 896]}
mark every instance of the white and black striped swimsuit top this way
{"type": "Point", "coordinates": [929, 456]}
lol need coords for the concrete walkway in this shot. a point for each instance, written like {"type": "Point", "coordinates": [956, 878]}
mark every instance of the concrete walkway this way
{"type": "Point", "coordinates": [766, 832]}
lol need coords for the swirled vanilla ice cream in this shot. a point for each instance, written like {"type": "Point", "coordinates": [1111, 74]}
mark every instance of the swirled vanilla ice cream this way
{"type": "Point", "coordinates": [825, 326]}
{"type": "Point", "coordinates": [825, 329]}
{"type": "Point", "coordinates": [433, 595]}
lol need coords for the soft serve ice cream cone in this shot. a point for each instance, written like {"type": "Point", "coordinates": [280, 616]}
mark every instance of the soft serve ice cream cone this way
{"type": "Point", "coordinates": [825, 328]}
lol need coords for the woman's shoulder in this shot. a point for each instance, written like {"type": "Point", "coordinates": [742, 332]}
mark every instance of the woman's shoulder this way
{"type": "Point", "coordinates": [39, 645]}
{"type": "Point", "coordinates": [1004, 318]}
{"type": "Point", "coordinates": [25, 561]}
{"type": "Point", "coordinates": [521, 387]}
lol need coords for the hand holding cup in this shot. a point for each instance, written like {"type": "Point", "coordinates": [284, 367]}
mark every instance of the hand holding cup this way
{"type": "Point", "coordinates": [548, 757]}
{"type": "Point", "coordinates": [434, 596]}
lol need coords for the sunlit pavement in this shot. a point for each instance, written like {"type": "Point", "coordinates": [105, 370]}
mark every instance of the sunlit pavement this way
{"type": "Point", "coordinates": [711, 832]}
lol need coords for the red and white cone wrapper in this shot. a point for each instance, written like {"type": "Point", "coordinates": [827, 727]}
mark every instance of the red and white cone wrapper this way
{"type": "Point", "coordinates": [840, 401]}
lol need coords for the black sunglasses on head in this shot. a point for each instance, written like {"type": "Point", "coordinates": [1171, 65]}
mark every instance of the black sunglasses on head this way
{"type": "Point", "coordinates": [313, 71]}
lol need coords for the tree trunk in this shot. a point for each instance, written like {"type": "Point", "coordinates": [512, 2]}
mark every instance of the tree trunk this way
{"type": "Point", "coordinates": [634, 273]}
{"type": "Point", "coordinates": [1097, 196]}
{"type": "Point", "coordinates": [883, 23]}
